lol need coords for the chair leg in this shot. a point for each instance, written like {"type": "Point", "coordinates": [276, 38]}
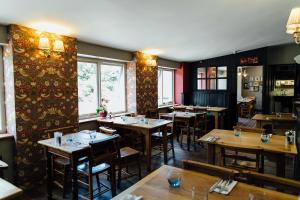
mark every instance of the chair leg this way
{"type": "Point", "coordinates": [98, 182]}
{"type": "Point", "coordinates": [91, 187]}
{"type": "Point", "coordinates": [181, 137]}
{"type": "Point", "coordinates": [172, 145]}
{"type": "Point", "coordinates": [65, 180]}
{"type": "Point", "coordinates": [113, 180]}
{"type": "Point", "coordinates": [119, 175]}
{"type": "Point", "coordinates": [139, 167]}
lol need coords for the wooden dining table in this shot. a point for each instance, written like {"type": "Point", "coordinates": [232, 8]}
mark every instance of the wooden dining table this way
{"type": "Point", "coordinates": [186, 118]}
{"type": "Point", "coordinates": [155, 186]}
{"type": "Point", "coordinates": [138, 125]}
{"type": "Point", "coordinates": [262, 119]}
{"type": "Point", "coordinates": [276, 146]}
{"type": "Point", "coordinates": [8, 190]}
{"type": "Point", "coordinates": [73, 147]}
{"type": "Point", "coordinates": [218, 113]}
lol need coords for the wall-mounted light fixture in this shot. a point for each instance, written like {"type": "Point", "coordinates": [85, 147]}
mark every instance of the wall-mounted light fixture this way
{"type": "Point", "coordinates": [146, 59]}
{"type": "Point", "coordinates": [293, 24]}
{"type": "Point", "coordinates": [245, 73]}
{"type": "Point", "coordinates": [45, 46]}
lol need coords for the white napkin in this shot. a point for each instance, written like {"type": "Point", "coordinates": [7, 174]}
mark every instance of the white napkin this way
{"type": "Point", "coordinates": [229, 188]}
{"type": "Point", "coordinates": [132, 197]}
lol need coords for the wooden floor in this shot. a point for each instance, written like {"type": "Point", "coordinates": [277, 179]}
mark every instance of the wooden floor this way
{"type": "Point", "coordinates": [181, 153]}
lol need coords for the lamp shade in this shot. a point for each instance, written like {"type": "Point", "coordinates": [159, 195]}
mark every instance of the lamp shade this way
{"type": "Point", "coordinates": [58, 46]}
{"type": "Point", "coordinates": [44, 43]}
{"type": "Point", "coordinates": [293, 24]}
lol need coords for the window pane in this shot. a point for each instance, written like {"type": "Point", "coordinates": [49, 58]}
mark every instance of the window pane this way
{"type": "Point", "coordinates": [167, 86]}
{"type": "Point", "coordinates": [87, 88]}
{"type": "Point", "coordinates": [113, 87]}
{"type": "Point", "coordinates": [222, 72]}
{"type": "Point", "coordinates": [201, 84]}
{"type": "Point", "coordinates": [211, 72]}
{"type": "Point", "coordinates": [222, 84]}
{"type": "Point", "coordinates": [201, 72]}
{"type": "Point", "coordinates": [211, 84]}
{"type": "Point", "coordinates": [160, 101]}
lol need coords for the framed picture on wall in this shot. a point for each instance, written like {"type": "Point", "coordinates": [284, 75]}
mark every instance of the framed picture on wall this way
{"type": "Point", "coordinates": [256, 88]}
{"type": "Point", "coordinates": [251, 88]}
{"type": "Point", "coordinates": [251, 78]}
{"type": "Point", "coordinates": [246, 86]}
{"type": "Point", "coordinates": [256, 83]}
{"type": "Point", "coordinates": [257, 78]}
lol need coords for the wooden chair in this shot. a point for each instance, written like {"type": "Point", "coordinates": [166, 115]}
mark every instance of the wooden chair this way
{"type": "Point", "coordinates": [152, 113]}
{"type": "Point", "coordinates": [209, 169]}
{"type": "Point", "coordinates": [245, 110]}
{"type": "Point", "coordinates": [61, 166]}
{"type": "Point", "coordinates": [250, 129]}
{"type": "Point", "coordinates": [102, 158]}
{"type": "Point", "coordinates": [128, 157]}
{"type": "Point", "coordinates": [197, 129]}
{"type": "Point", "coordinates": [157, 137]}
{"type": "Point", "coordinates": [272, 182]}
{"type": "Point", "coordinates": [241, 157]}
{"type": "Point", "coordinates": [179, 108]}
{"type": "Point", "coordinates": [3, 166]}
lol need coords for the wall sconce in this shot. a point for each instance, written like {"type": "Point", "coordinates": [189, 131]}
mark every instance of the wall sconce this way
{"type": "Point", "coordinates": [245, 74]}
{"type": "Point", "coordinates": [293, 24]}
{"type": "Point", "coordinates": [44, 45]}
{"type": "Point", "coordinates": [58, 46]}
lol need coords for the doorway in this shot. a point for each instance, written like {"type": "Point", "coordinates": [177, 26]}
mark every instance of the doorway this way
{"type": "Point", "coordinates": [249, 93]}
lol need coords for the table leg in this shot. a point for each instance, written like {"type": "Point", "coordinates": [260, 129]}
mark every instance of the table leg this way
{"type": "Point", "coordinates": [148, 149]}
{"type": "Point", "coordinates": [211, 149]}
{"type": "Point", "coordinates": [280, 165]}
{"type": "Point", "coordinates": [188, 135]}
{"type": "Point", "coordinates": [74, 163]}
{"type": "Point", "coordinates": [216, 115]}
{"type": "Point", "coordinates": [165, 144]}
{"type": "Point", "coordinates": [49, 174]}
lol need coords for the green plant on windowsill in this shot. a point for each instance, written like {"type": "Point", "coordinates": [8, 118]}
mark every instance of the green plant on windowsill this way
{"type": "Point", "coordinates": [101, 110]}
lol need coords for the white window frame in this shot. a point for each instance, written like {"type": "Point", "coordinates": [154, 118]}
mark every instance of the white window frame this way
{"type": "Point", "coordinates": [100, 62]}
{"type": "Point", "coordinates": [162, 89]}
{"type": "Point", "coordinates": [2, 100]}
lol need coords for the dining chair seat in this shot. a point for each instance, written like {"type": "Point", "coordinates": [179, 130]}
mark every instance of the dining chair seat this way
{"type": "Point", "coordinates": [128, 151]}
{"type": "Point", "coordinates": [84, 168]}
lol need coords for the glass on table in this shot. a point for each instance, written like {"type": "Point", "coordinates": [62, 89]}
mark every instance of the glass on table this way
{"type": "Point", "coordinates": [265, 138]}
{"type": "Point", "coordinates": [237, 132]}
{"type": "Point", "coordinates": [174, 179]}
{"type": "Point", "coordinates": [93, 135]}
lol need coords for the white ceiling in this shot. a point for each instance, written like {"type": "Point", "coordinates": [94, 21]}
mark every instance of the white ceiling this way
{"type": "Point", "coordinates": [184, 30]}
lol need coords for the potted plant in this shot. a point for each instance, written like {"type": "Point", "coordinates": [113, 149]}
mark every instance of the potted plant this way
{"type": "Point", "coordinates": [102, 110]}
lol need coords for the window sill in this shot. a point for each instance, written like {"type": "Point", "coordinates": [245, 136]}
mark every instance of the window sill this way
{"type": "Point", "coordinates": [5, 135]}
{"type": "Point", "coordinates": [165, 106]}
{"type": "Point", "coordinates": [94, 118]}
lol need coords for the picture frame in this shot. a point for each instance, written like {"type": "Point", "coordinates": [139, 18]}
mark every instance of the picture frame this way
{"type": "Point", "coordinates": [251, 88]}
{"type": "Point", "coordinates": [246, 86]}
{"type": "Point", "coordinates": [257, 78]}
{"type": "Point", "coordinates": [256, 88]}
{"type": "Point", "coordinates": [256, 83]}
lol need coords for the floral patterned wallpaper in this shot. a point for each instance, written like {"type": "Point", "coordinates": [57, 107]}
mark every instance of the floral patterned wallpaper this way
{"type": "Point", "coordinates": [146, 86]}
{"type": "Point", "coordinates": [45, 96]}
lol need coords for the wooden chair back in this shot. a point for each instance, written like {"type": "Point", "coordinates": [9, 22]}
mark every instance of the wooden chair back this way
{"type": "Point", "coordinates": [104, 151]}
{"type": "Point", "coordinates": [153, 114]}
{"type": "Point", "coordinates": [272, 182]}
{"type": "Point", "coordinates": [249, 129]}
{"type": "Point", "coordinates": [242, 155]}
{"type": "Point", "coordinates": [107, 130]}
{"type": "Point", "coordinates": [179, 108]}
{"type": "Point", "coordinates": [209, 169]}
{"type": "Point", "coordinates": [64, 130]}
{"type": "Point", "coordinates": [168, 116]}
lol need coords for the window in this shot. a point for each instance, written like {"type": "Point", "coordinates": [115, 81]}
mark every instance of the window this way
{"type": "Point", "coordinates": [99, 79]}
{"type": "Point", "coordinates": [165, 86]}
{"type": "Point", "coordinates": [212, 78]}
